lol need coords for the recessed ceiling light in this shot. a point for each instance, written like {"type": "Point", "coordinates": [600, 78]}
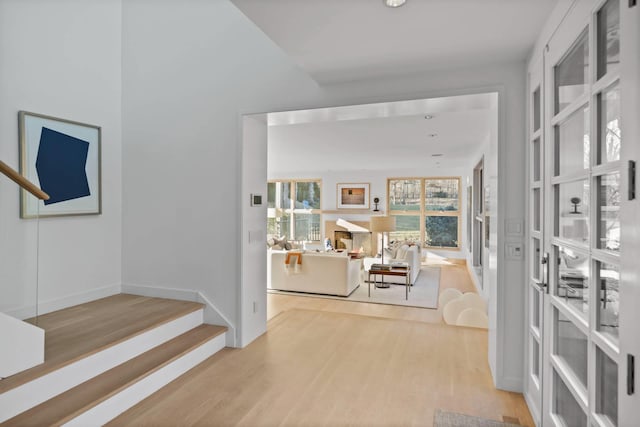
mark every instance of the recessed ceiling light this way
{"type": "Point", "coordinates": [437, 155]}
{"type": "Point", "coordinates": [433, 135]}
{"type": "Point", "coordinates": [428, 117]}
{"type": "Point", "coordinates": [394, 3]}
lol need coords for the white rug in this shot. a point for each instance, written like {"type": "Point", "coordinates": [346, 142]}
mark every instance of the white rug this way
{"type": "Point", "coordinates": [423, 294]}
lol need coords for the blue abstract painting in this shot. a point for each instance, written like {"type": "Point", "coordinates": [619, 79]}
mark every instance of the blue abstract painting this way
{"type": "Point", "coordinates": [60, 165]}
{"type": "Point", "coordinates": [63, 158]}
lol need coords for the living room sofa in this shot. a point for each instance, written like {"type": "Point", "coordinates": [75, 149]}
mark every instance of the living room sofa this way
{"type": "Point", "coordinates": [318, 273]}
{"type": "Point", "coordinates": [404, 253]}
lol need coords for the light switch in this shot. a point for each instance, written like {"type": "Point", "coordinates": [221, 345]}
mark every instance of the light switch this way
{"type": "Point", "coordinates": [515, 227]}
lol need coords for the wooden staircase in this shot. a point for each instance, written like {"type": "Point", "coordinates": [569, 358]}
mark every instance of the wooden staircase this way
{"type": "Point", "coordinates": [103, 357]}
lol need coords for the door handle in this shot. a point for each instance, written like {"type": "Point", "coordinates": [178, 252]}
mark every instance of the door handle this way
{"type": "Point", "coordinates": [631, 374]}
{"type": "Point", "coordinates": [544, 284]}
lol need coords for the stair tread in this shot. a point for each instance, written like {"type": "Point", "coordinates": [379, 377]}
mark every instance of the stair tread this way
{"type": "Point", "coordinates": [80, 331]}
{"type": "Point", "coordinates": [79, 399]}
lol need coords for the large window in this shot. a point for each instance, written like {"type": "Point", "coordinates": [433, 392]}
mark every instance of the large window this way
{"type": "Point", "coordinates": [294, 209]}
{"type": "Point", "coordinates": [426, 210]}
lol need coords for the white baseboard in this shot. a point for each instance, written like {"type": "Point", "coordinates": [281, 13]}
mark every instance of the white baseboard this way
{"type": "Point", "coordinates": [129, 397]}
{"type": "Point", "coordinates": [514, 384]}
{"type": "Point", "coordinates": [66, 301]}
{"type": "Point", "coordinates": [533, 409]}
{"type": "Point", "coordinates": [476, 281]}
{"type": "Point", "coordinates": [212, 315]}
{"type": "Point", "coordinates": [26, 396]}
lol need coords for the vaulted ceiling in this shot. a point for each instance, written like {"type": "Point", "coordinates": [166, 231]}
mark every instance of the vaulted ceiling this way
{"type": "Point", "coordinates": [342, 40]}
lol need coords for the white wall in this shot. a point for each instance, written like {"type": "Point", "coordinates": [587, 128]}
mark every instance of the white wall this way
{"type": "Point", "coordinates": [190, 68]}
{"type": "Point", "coordinates": [62, 59]}
{"type": "Point", "coordinates": [253, 307]}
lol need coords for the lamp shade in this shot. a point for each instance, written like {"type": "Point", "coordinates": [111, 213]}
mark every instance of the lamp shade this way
{"type": "Point", "coordinates": [381, 224]}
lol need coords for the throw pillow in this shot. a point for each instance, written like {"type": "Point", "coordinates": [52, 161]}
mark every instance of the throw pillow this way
{"type": "Point", "coordinates": [402, 252]}
{"type": "Point", "coordinates": [281, 243]}
{"type": "Point", "coordinates": [390, 253]}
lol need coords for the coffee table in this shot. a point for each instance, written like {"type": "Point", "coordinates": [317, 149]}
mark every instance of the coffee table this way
{"type": "Point", "coordinates": [403, 272]}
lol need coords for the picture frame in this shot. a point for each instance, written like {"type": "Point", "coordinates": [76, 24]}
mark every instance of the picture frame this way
{"type": "Point", "coordinates": [487, 216]}
{"type": "Point", "coordinates": [63, 158]}
{"type": "Point", "coordinates": [352, 196]}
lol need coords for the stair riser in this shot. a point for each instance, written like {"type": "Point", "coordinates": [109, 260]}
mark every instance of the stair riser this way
{"type": "Point", "coordinates": [129, 397]}
{"type": "Point", "coordinates": [44, 388]}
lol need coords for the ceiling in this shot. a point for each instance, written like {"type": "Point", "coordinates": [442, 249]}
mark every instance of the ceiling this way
{"type": "Point", "coordinates": [343, 40]}
{"type": "Point", "coordinates": [383, 136]}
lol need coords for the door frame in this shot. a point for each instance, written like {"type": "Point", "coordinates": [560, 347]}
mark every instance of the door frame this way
{"type": "Point", "coordinates": [628, 404]}
{"type": "Point", "coordinates": [534, 332]}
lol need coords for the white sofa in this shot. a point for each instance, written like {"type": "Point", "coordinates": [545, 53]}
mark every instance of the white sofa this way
{"type": "Point", "coordinates": [409, 254]}
{"type": "Point", "coordinates": [319, 273]}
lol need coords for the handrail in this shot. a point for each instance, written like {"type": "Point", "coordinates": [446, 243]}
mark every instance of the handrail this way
{"type": "Point", "coordinates": [22, 181]}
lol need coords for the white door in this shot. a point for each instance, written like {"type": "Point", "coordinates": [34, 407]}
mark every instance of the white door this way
{"type": "Point", "coordinates": [629, 395]}
{"type": "Point", "coordinates": [537, 281]}
{"type": "Point", "coordinates": [583, 186]}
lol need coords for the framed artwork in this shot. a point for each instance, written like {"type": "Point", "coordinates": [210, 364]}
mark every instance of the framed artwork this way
{"type": "Point", "coordinates": [353, 196]}
{"type": "Point", "coordinates": [487, 216]}
{"type": "Point", "coordinates": [62, 157]}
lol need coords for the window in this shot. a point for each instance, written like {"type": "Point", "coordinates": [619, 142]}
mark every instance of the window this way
{"type": "Point", "coordinates": [572, 74]}
{"type": "Point", "coordinates": [404, 201]}
{"type": "Point", "coordinates": [442, 212]}
{"type": "Point", "coordinates": [426, 210]}
{"type": "Point", "coordinates": [294, 209]}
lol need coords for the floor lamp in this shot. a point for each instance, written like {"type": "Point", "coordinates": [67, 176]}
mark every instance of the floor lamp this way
{"type": "Point", "coordinates": [383, 224]}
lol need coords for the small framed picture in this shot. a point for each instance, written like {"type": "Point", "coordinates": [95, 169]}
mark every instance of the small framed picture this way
{"type": "Point", "coordinates": [62, 157]}
{"type": "Point", "coordinates": [353, 196]}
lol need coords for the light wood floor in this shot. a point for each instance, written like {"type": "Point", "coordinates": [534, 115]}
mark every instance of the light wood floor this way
{"type": "Point", "coordinates": [333, 369]}
{"type": "Point", "coordinates": [337, 363]}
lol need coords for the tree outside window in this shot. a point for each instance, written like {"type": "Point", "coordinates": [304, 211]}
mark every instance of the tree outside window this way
{"type": "Point", "coordinates": [427, 210]}
{"type": "Point", "coordinates": [294, 209]}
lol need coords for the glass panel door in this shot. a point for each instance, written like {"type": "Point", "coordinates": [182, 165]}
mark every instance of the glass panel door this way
{"type": "Point", "coordinates": [581, 191]}
{"type": "Point", "coordinates": [536, 270]}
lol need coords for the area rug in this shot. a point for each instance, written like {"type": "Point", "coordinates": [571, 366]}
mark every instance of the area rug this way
{"type": "Point", "coordinates": [452, 419]}
{"type": "Point", "coordinates": [423, 294]}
